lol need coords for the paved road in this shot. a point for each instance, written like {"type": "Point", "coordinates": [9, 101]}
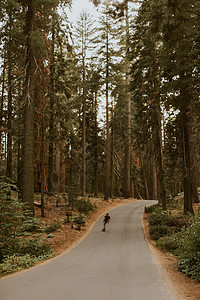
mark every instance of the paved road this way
{"type": "Point", "coordinates": [112, 265]}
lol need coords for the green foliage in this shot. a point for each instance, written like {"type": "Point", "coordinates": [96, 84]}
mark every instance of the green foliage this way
{"type": "Point", "coordinates": [169, 243]}
{"type": "Point", "coordinates": [158, 231]}
{"type": "Point", "coordinates": [190, 266]}
{"type": "Point", "coordinates": [34, 246]}
{"type": "Point", "coordinates": [38, 43]}
{"type": "Point", "coordinates": [52, 227]}
{"type": "Point", "coordinates": [14, 263]}
{"type": "Point", "coordinates": [184, 243]}
{"type": "Point", "coordinates": [17, 249]}
{"type": "Point", "coordinates": [189, 262]}
{"type": "Point", "coordinates": [153, 208]}
{"type": "Point", "coordinates": [79, 218]}
{"type": "Point", "coordinates": [50, 235]}
{"type": "Point", "coordinates": [31, 225]}
{"type": "Point", "coordinates": [11, 217]}
{"type": "Point", "coordinates": [161, 219]}
{"type": "Point", "coordinates": [85, 206]}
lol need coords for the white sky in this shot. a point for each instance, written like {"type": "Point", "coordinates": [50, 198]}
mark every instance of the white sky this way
{"type": "Point", "coordinates": [78, 6]}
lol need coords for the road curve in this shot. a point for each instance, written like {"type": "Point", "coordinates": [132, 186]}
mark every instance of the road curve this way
{"type": "Point", "coordinates": [112, 265]}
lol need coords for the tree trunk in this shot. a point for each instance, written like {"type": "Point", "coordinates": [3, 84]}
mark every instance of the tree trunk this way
{"type": "Point", "coordinates": [42, 165]}
{"type": "Point", "coordinates": [96, 188]}
{"type": "Point", "coordinates": [155, 184]}
{"type": "Point", "coordinates": [84, 134]}
{"type": "Point", "coordinates": [112, 155]}
{"type": "Point", "coordinates": [107, 150]}
{"type": "Point", "coordinates": [2, 101]}
{"type": "Point", "coordinates": [127, 164]}
{"type": "Point", "coordinates": [187, 165]}
{"type": "Point", "coordinates": [29, 97]}
{"type": "Point", "coordinates": [144, 178]}
{"type": "Point", "coordinates": [62, 177]}
{"type": "Point", "coordinates": [51, 119]}
{"type": "Point", "coordinates": [9, 124]}
{"type": "Point", "coordinates": [58, 161]}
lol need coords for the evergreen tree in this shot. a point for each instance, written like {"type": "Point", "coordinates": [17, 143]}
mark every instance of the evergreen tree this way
{"type": "Point", "coordinates": [84, 38]}
{"type": "Point", "coordinates": [179, 64]}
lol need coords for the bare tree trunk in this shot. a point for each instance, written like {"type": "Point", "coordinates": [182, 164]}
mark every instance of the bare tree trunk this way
{"type": "Point", "coordinates": [9, 124]}
{"type": "Point", "coordinates": [2, 101]}
{"type": "Point", "coordinates": [42, 165]}
{"type": "Point", "coordinates": [127, 165]}
{"type": "Point", "coordinates": [51, 119]}
{"type": "Point", "coordinates": [155, 184]}
{"type": "Point", "coordinates": [107, 150]}
{"type": "Point", "coordinates": [96, 189]}
{"type": "Point", "coordinates": [144, 178]}
{"type": "Point", "coordinates": [112, 155]}
{"type": "Point", "coordinates": [62, 177]}
{"type": "Point", "coordinates": [29, 99]}
{"type": "Point", "coordinates": [58, 160]}
{"type": "Point", "coordinates": [187, 165]}
{"type": "Point", "coordinates": [84, 134]}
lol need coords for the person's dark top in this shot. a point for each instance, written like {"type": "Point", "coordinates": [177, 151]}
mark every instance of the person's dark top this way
{"type": "Point", "coordinates": [106, 218]}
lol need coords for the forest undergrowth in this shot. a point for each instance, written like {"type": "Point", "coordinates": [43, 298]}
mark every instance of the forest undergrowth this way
{"type": "Point", "coordinates": [178, 234]}
{"type": "Point", "coordinates": [27, 241]}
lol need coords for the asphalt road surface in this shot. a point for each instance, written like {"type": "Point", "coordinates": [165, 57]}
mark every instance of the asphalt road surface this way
{"type": "Point", "coordinates": [113, 265]}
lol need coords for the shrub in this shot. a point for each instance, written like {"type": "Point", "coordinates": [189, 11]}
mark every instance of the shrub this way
{"type": "Point", "coordinates": [16, 263]}
{"type": "Point", "coordinates": [152, 208]}
{"type": "Point", "coordinates": [34, 246]}
{"type": "Point", "coordinates": [31, 225]}
{"type": "Point", "coordinates": [190, 267]}
{"type": "Point", "coordinates": [85, 206]}
{"type": "Point", "coordinates": [52, 227]}
{"type": "Point", "coordinates": [11, 212]}
{"type": "Point", "coordinates": [161, 219]}
{"type": "Point", "coordinates": [181, 221]}
{"type": "Point", "coordinates": [158, 231]}
{"type": "Point", "coordinates": [170, 243]}
{"type": "Point", "coordinates": [79, 218]}
{"type": "Point", "coordinates": [189, 262]}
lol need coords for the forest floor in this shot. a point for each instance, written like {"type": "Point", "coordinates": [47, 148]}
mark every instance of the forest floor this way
{"type": "Point", "coordinates": [66, 237]}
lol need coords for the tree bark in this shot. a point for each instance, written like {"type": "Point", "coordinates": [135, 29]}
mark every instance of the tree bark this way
{"type": "Point", "coordinates": [107, 150]}
{"type": "Point", "coordinates": [96, 188]}
{"type": "Point", "coordinates": [2, 102]}
{"type": "Point", "coordinates": [84, 134]}
{"type": "Point", "coordinates": [9, 123]}
{"type": "Point", "coordinates": [187, 165]}
{"type": "Point", "coordinates": [51, 119]}
{"type": "Point", "coordinates": [42, 165]}
{"type": "Point", "coordinates": [58, 160]}
{"type": "Point", "coordinates": [29, 99]}
{"type": "Point", "coordinates": [155, 184]}
{"type": "Point", "coordinates": [127, 164]}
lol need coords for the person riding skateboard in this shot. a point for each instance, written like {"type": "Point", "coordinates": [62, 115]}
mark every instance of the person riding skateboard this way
{"type": "Point", "coordinates": [105, 221]}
